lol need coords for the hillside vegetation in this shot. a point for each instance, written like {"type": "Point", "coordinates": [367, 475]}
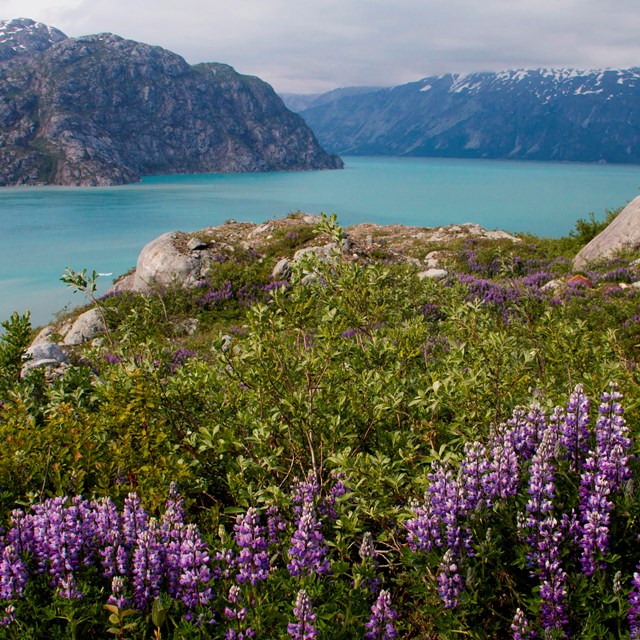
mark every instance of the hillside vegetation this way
{"type": "Point", "coordinates": [347, 452]}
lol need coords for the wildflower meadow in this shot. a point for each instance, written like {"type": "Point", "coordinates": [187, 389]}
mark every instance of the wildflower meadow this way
{"type": "Point", "coordinates": [354, 452]}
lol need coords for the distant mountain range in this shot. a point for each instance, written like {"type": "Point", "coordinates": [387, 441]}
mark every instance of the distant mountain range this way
{"type": "Point", "coordinates": [101, 110]}
{"type": "Point", "coordinates": [298, 102]}
{"type": "Point", "coordinates": [529, 114]}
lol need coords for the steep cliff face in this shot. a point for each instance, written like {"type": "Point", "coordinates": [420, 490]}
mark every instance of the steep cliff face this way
{"type": "Point", "coordinates": [535, 114]}
{"type": "Point", "coordinates": [101, 110]}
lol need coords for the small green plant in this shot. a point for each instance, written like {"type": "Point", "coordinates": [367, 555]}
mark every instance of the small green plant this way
{"type": "Point", "coordinates": [87, 284]}
{"type": "Point", "coordinates": [13, 346]}
{"type": "Point", "coordinates": [119, 626]}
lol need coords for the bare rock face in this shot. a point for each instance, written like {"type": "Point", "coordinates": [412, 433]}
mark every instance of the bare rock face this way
{"type": "Point", "coordinates": [102, 110]}
{"type": "Point", "coordinates": [622, 233]}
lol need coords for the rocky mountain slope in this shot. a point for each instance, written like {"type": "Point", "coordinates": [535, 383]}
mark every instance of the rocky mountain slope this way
{"type": "Point", "coordinates": [101, 110]}
{"type": "Point", "coordinates": [533, 114]}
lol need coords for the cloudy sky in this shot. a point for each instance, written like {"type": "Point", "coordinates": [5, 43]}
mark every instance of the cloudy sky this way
{"type": "Point", "coordinates": [309, 46]}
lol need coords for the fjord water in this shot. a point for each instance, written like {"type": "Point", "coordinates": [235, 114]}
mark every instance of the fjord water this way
{"type": "Point", "coordinates": [45, 229]}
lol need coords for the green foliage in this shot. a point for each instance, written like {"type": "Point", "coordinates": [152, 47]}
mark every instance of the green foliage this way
{"type": "Point", "coordinates": [587, 229]}
{"type": "Point", "coordinates": [14, 343]}
{"type": "Point", "coordinates": [362, 369]}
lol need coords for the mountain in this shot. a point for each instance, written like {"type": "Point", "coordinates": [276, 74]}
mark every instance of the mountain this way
{"type": "Point", "coordinates": [102, 110]}
{"type": "Point", "coordinates": [532, 114]}
{"type": "Point", "coordinates": [300, 101]}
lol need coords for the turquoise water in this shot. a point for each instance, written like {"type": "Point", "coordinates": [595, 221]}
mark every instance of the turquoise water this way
{"type": "Point", "coordinates": [45, 229]}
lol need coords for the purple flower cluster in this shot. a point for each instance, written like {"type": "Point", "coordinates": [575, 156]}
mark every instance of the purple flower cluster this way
{"type": "Point", "coordinates": [303, 628]}
{"type": "Point", "coordinates": [605, 472]}
{"type": "Point", "coordinates": [236, 613]}
{"type": "Point", "coordinates": [575, 433]}
{"type": "Point", "coordinates": [253, 560]}
{"type": "Point", "coordinates": [213, 296]}
{"type": "Point", "coordinates": [328, 504]}
{"type": "Point", "coordinates": [529, 451]}
{"type": "Point", "coordinates": [543, 532]}
{"type": "Point", "coordinates": [139, 555]}
{"type": "Point", "coordinates": [520, 626]}
{"type": "Point", "coordinates": [308, 549]}
{"type": "Point", "coordinates": [634, 606]}
{"type": "Point", "coordinates": [380, 625]}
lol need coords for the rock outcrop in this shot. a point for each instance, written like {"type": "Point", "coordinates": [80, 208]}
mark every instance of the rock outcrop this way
{"type": "Point", "coordinates": [177, 258]}
{"type": "Point", "coordinates": [102, 110]}
{"type": "Point", "coordinates": [622, 233]}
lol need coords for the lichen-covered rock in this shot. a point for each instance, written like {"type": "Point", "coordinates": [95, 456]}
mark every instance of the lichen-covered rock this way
{"type": "Point", "coordinates": [86, 327]}
{"type": "Point", "coordinates": [43, 354]}
{"type": "Point", "coordinates": [622, 233]}
{"type": "Point", "coordinates": [433, 274]}
{"type": "Point", "coordinates": [162, 263]}
{"type": "Point", "coordinates": [282, 269]}
{"type": "Point", "coordinates": [102, 110]}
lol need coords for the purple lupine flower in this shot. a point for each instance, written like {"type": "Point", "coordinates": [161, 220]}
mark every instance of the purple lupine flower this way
{"type": "Point", "coordinates": [226, 562]}
{"type": "Point", "coordinates": [235, 598]}
{"type": "Point", "coordinates": [444, 491]}
{"type": "Point", "coordinates": [303, 629]}
{"type": "Point", "coordinates": [367, 548]}
{"type": "Point", "coordinates": [445, 505]}
{"type": "Point", "coordinates": [553, 591]}
{"type": "Point", "coordinates": [575, 434]}
{"type": "Point", "coordinates": [339, 488]}
{"type": "Point", "coordinates": [134, 521]}
{"type": "Point", "coordinates": [605, 472]}
{"type": "Point", "coordinates": [179, 358]}
{"type": "Point", "coordinates": [276, 284]}
{"type": "Point", "coordinates": [527, 428]}
{"type": "Point", "coordinates": [216, 295]}
{"type": "Point", "coordinates": [9, 616]}
{"type": "Point", "coordinates": [13, 574]}
{"type": "Point", "coordinates": [634, 606]}
{"type": "Point", "coordinates": [195, 573]}
{"type": "Point", "coordinates": [502, 478]}
{"type": "Point", "coordinates": [118, 596]}
{"type": "Point", "coordinates": [473, 468]}
{"type": "Point", "coordinates": [520, 626]}
{"type": "Point", "coordinates": [63, 533]}
{"type": "Point", "coordinates": [276, 524]}
{"type": "Point", "coordinates": [147, 565]}
{"type": "Point", "coordinates": [450, 584]}
{"type": "Point", "coordinates": [305, 491]}
{"type": "Point", "coordinates": [172, 527]}
{"type": "Point", "coordinates": [423, 530]}
{"type": "Point", "coordinates": [380, 625]}
{"type": "Point", "coordinates": [20, 535]}
{"type": "Point", "coordinates": [112, 358]}
{"type": "Point", "coordinates": [308, 547]}
{"type": "Point", "coordinates": [107, 526]}
{"type": "Point", "coordinates": [544, 534]}
{"type": "Point", "coordinates": [253, 559]}
{"type": "Point", "coordinates": [238, 614]}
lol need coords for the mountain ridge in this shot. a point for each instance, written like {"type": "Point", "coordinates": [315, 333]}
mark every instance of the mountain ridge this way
{"type": "Point", "coordinates": [103, 110]}
{"type": "Point", "coordinates": [536, 114]}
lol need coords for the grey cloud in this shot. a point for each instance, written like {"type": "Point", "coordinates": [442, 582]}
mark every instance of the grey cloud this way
{"type": "Point", "coordinates": [315, 45]}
